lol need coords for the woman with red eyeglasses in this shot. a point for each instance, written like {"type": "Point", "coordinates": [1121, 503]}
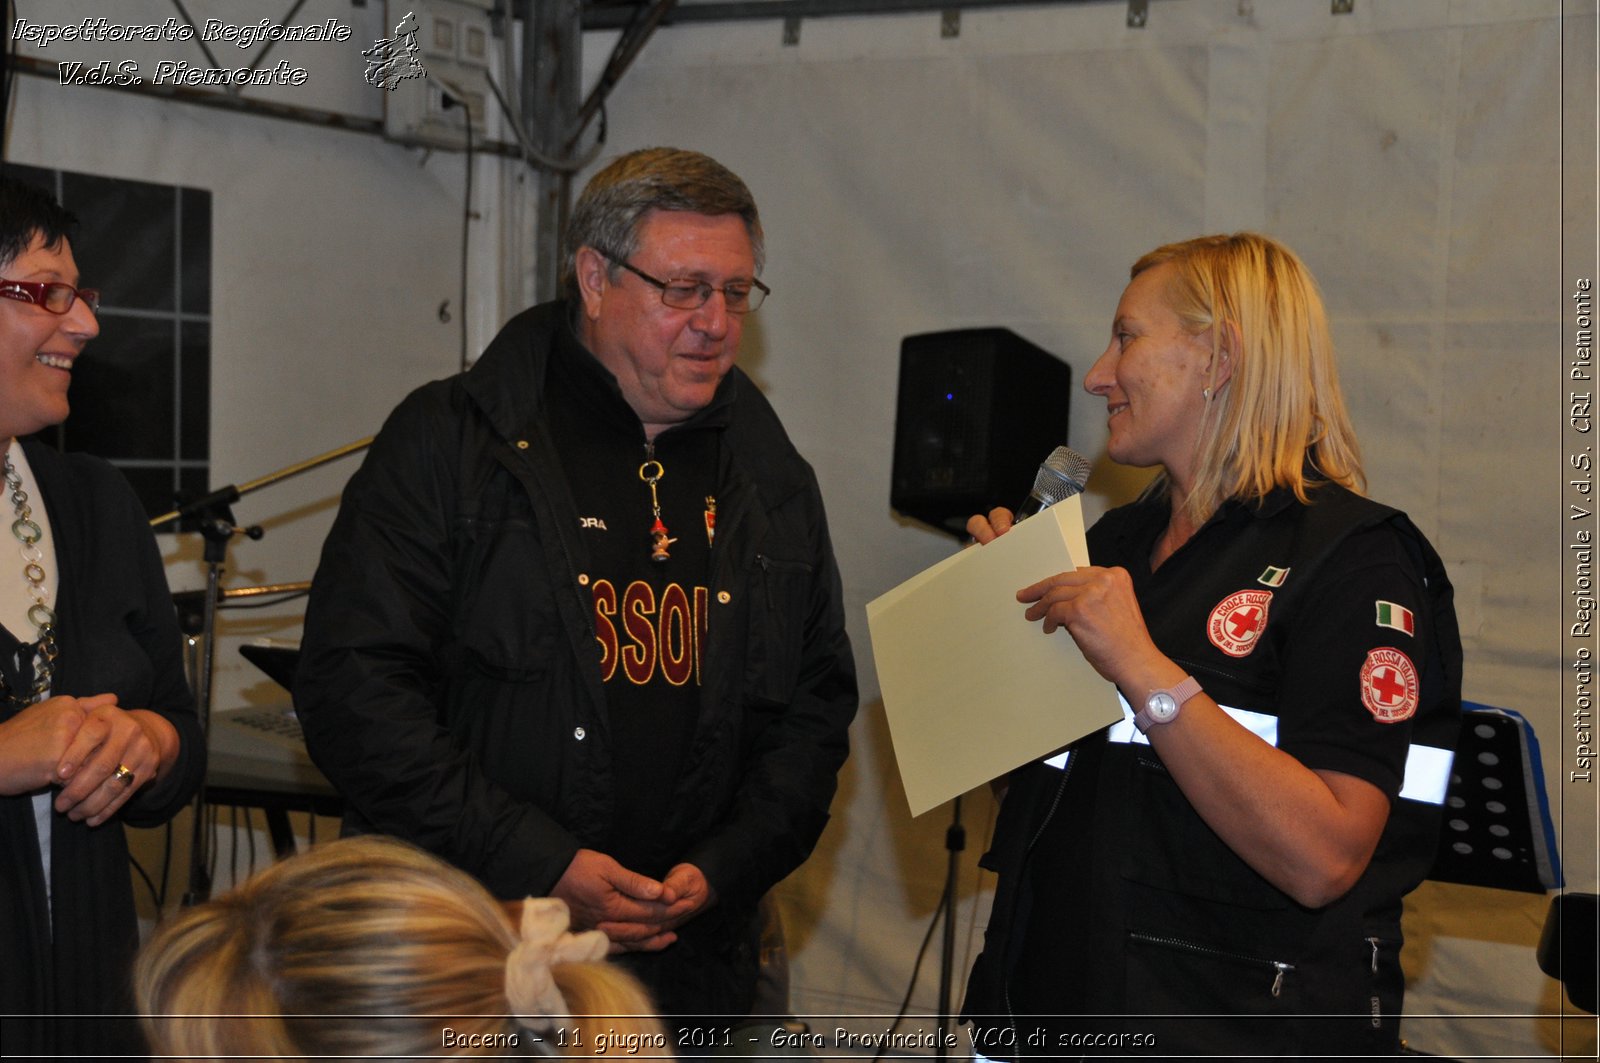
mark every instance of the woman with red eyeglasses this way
{"type": "Point", "coordinates": [97, 724]}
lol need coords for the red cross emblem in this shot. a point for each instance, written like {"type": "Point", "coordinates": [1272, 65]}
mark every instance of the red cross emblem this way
{"type": "Point", "coordinates": [1242, 623]}
{"type": "Point", "coordinates": [1389, 686]}
{"type": "Point", "coordinates": [1238, 621]}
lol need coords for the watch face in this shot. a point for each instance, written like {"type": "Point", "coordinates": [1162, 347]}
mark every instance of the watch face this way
{"type": "Point", "coordinates": [1161, 707]}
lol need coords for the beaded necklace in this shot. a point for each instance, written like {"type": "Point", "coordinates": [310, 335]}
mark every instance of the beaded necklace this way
{"type": "Point", "coordinates": [29, 534]}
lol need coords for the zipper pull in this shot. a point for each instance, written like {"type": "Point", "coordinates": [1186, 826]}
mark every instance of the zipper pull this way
{"type": "Point", "coordinates": [766, 577]}
{"type": "Point", "coordinates": [1277, 982]}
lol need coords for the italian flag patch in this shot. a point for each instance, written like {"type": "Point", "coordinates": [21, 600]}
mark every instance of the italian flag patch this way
{"type": "Point", "coordinates": [1273, 577]}
{"type": "Point", "coordinates": [1397, 617]}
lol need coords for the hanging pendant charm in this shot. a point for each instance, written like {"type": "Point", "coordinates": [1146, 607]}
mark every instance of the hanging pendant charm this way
{"type": "Point", "coordinates": [651, 472]}
{"type": "Point", "coordinates": [659, 542]}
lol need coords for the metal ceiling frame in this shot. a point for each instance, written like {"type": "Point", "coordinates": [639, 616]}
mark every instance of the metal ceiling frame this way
{"type": "Point", "coordinates": [615, 16]}
{"type": "Point", "coordinates": [552, 48]}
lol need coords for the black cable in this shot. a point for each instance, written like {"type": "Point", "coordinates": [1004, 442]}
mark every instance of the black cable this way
{"type": "Point", "coordinates": [944, 908]}
{"type": "Point", "coordinates": [532, 155]}
{"type": "Point", "coordinates": [166, 870]}
{"type": "Point", "coordinates": [453, 95]}
{"type": "Point", "coordinates": [233, 844]}
{"type": "Point", "coordinates": [213, 824]}
{"type": "Point", "coordinates": [250, 833]}
{"type": "Point", "coordinates": [158, 895]}
{"type": "Point", "coordinates": [466, 230]}
{"type": "Point", "coordinates": [149, 883]}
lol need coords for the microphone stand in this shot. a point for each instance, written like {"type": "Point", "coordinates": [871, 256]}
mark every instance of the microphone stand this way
{"type": "Point", "coordinates": [227, 496]}
{"type": "Point", "coordinates": [955, 842]}
{"type": "Point", "coordinates": [214, 512]}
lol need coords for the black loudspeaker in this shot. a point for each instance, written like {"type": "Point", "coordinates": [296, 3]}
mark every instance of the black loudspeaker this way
{"type": "Point", "coordinates": [978, 411]}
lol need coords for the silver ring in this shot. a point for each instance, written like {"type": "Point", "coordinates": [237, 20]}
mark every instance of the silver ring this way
{"type": "Point", "coordinates": [123, 774]}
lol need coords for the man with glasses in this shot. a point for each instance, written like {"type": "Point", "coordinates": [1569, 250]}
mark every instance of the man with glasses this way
{"type": "Point", "coordinates": [578, 627]}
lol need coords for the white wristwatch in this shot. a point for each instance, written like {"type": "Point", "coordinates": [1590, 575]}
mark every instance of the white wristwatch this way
{"type": "Point", "coordinates": [1162, 705]}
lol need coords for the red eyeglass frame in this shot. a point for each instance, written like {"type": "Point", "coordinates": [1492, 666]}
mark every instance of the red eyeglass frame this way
{"type": "Point", "coordinates": [38, 293]}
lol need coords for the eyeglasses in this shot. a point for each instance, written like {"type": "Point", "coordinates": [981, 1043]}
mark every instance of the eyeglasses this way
{"type": "Point", "coordinates": [685, 294]}
{"type": "Point", "coordinates": [52, 295]}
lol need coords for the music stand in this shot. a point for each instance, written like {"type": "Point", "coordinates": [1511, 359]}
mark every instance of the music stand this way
{"type": "Point", "coordinates": [278, 662]}
{"type": "Point", "coordinates": [1498, 832]}
{"type": "Point", "coordinates": [1497, 826]}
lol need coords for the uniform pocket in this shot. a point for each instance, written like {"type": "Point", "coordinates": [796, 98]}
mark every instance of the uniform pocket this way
{"type": "Point", "coordinates": [1254, 980]}
{"type": "Point", "coordinates": [1204, 998]}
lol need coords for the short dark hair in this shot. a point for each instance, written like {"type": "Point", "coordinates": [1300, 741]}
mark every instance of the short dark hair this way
{"type": "Point", "coordinates": [617, 199]}
{"type": "Point", "coordinates": [28, 211]}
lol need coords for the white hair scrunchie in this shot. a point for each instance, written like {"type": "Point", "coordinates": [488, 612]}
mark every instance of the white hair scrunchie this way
{"type": "Point", "coordinates": [535, 999]}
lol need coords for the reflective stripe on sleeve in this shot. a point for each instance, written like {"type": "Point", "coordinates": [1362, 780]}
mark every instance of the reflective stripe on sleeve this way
{"type": "Point", "coordinates": [1427, 775]}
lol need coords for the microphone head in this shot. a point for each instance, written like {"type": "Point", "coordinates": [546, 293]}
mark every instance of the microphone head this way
{"type": "Point", "coordinates": [1063, 474]}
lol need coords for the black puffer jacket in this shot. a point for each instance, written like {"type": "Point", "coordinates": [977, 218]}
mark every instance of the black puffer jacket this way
{"type": "Point", "coordinates": [449, 683]}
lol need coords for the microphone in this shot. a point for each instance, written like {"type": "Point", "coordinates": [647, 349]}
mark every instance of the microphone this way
{"type": "Point", "coordinates": [1062, 475]}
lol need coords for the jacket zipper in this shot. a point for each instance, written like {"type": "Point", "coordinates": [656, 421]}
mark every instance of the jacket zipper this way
{"type": "Point", "coordinates": [1280, 968]}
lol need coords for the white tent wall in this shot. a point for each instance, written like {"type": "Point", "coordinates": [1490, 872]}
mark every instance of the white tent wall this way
{"type": "Point", "coordinates": [1414, 152]}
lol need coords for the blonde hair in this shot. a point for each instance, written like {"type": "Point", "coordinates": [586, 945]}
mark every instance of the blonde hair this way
{"type": "Point", "coordinates": [1281, 419]}
{"type": "Point", "coordinates": [365, 946]}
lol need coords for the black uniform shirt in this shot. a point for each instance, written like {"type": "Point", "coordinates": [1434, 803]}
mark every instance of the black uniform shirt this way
{"type": "Point", "coordinates": [1326, 629]}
